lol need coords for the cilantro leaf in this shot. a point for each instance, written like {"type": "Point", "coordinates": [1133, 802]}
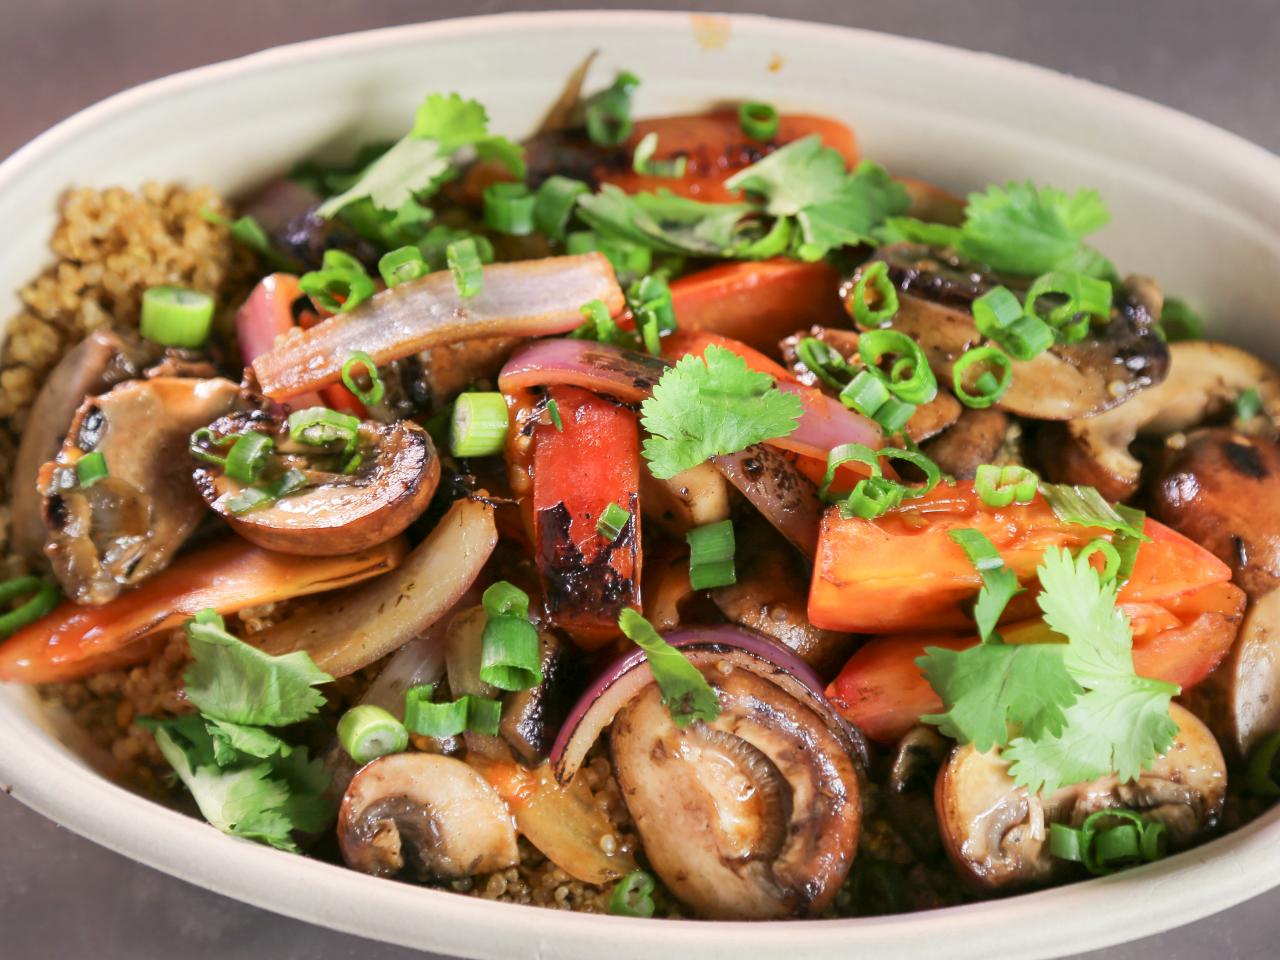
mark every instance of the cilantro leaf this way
{"type": "Point", "coordinates": [685, 691]}
{"type": "Point", "coordinates": [712, 405]}
{"type": "Point", "coordinates": [1027, 231]}
{"type": "Point", "coordinates": [993, 686]}
{"type": "Point", "coordinates": [1119, 728]}
{"type": "Point", "coordinates": [833, 207]}
{"type": "Point", "coordinates": [665, 222]}
{"type": "Point", "coordinates": [418, 163]}
{"type": "Point", "coordinates": [230, 739]}
{"type": "Point", "coordinates": [241, 799]}
{"type": "Point", "coordinates": [1122, 722]}
{"type": "Point", "coordinates": [233, 681]}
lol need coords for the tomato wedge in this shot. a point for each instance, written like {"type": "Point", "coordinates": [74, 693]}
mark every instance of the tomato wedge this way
{"type": "Point", "coordinates": [761, 302]}
{"type": "Point", "coordinates": [882, 691]}
{"type": "Point", "coordinates": [577, 472]}
{"type": "Point", "coordinates": [715, 148]}
{"type": "Point", "coordinates": [902, 572]}
{"type": "Point", "coordinates": [230, 575]}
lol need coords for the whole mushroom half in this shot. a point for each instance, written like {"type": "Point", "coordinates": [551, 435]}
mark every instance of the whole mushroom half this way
{"type": "Point", "coordinates": [1113, 363]}
{"type": "Point", "coordinates": [111, 530]}
{"type": "Point", "coordinates": [1205, 378]}
{"type": "Point", "coordinates": [349, 495]}
{"type": "Point", "coordinates": [427, 816]}
{"type": "Point", "coordinates": [997, 834]}
{"type": "Point", "coordinates": [754, 815]}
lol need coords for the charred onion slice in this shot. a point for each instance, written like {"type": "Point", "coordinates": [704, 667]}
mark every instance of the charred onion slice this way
{"type": "Point", "coordinates": [125, 527]}
{"type": "Point", "coordinates": [390, 486]}
{"type": "Point", "coordinates": [228, 576]}
{"type": "Point", "coordinates": [427, 816]}
{"type": "Point", "coordinates": [525, 299]}
{"type": "Point", "coordinates": [600, 367]}
{"type": "Point", "coordinates": [350, 630]}
{"type": "Point", "coordinates": [997, 834]}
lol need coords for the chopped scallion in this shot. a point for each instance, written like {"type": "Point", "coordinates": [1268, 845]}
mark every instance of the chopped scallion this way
{"type": "Point", "coordinates": [402, 265]}
{"type": "Point", "coordinates": [42, 597]}
{"type": "Point", "coordinates": [176, 316]}
{"type": "Point", "coordinates": [759, 121]}
{"type": "Point", "coordinates": [999, 316]}
{"type": "Point", "coordinates": [874, 298]}
{"type": "Point", "coordinates": [367, 732]}
{"type": "Point", "coordinates": [510, 657]}
{"type": "Point", "coordinates": [1110, 558]}
{"type": "Point", "coordinates": [553, 410]}
{"type": "Point", "coordinates": [633, 895]}
{"type": "Point", "coordinates": [464, 264]}
{"type": "Point", "coordinates": [319, 426]}
{"type": "Point", "coordinates": [372, 395]}
{"type": "Point", "coordinates": [1087, 507]}
{"type": "Point", "coordinates": [91, 468]}
{"type": "Point", "coordinates": [1001, 486]}
{"type": "Point", "coordinates": [1248, 405]}
{"type": "Point", "coordinates": [644, 163]}
{"type": "Point", "coordinates": [608, 113]}
{"type": "Point", "coordinates": [711, 550]}
{"type": "Point", "coordinates": [449, 718]}
{"type": "Point", "coordinates": [340, 285]}
{"type": "Point", "coordinates": [910, 378]}
{"type": "Point", "coordinates": [248, 456]}
{"type": "Point", "coordinates": [479, 424]}
{"type": "Point", "coordinates": [508, 208]}
{"type": "Point", "coordinates": [554, 202]}
{"type": "Point", "coordinates": [613, 520]}
{"type": "Point", "coordinates": [981, 376]}
{"type": "Point", "coordinates": [1084, 299]}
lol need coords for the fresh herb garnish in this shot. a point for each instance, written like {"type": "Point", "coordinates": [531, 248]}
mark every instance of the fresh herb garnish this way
{"type": "Point", "coordinates": [249, 233]}
{"type": "Point", "coordinates": [1018, 229]}
{"type": "Point", "coordinates": [1179, 322]}
{"type": "Point", "coordinates": [1087, 507]}
{"type": "Point", "coordinates": [832, 206]}
{"type": "Point", "coordinates": [712, 405]}
{"type": "Point", "coordinates": [416, 165]}
{"type": "Point", "coordinates": [685, 691]}
{"type": "Point", "coordinates": [247, 781]}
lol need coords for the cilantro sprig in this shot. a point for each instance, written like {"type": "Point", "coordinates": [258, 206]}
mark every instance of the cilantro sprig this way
{"type": "Point", "coordinates": [246, 780]}
{"type": "Point", "coordinates": [1019, 229]}
{"type": "Point", "coordinates": [709, 406]}
{"type": "Point", "coordinates": [685, 691]}
{"type": "Point", "coordinates": [1063, 713]}
{"type": "Point", "coordinates": [416, 165]}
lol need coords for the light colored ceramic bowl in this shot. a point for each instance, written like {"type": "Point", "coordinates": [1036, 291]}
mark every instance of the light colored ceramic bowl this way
{"type": "Point", "coordinates": [1195, 206]}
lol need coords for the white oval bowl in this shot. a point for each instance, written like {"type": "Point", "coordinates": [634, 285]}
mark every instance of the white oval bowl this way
{"type": "Point", "coordinates": [1191, 204]}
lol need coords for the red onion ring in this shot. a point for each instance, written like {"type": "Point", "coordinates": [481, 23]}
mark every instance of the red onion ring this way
{"type": "Point", "coordinates": [599, 367]}
{"type": "Point", "coordinates": [629, 674]}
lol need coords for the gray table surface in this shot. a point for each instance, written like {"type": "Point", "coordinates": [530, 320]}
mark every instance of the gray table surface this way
{"type": "Point", "coordinates": [63, 896]}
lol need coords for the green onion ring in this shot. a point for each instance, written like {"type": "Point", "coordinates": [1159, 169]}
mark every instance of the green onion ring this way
{"type": "Point", "coordinates": [42, 595]}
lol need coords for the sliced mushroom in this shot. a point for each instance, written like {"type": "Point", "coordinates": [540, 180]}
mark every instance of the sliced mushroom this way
{"type": "Point", "coordinates": [449, 369]}
{"type": "Point", "coordinates": [977, 437]}
{"type": "Point", "coordinates": [426, 816]}
{"type": "Point", "coordinates": [121, 529]}
{"type": "Point", "coordinates": [1204, 381]}
{"type": "Point", "coordinates": [771, 596]}
{"type": "Point", "coordinates": [752, 816]}
{"type": "Point", "coordinates": [531, 718]}
{"type": "Point", "coordinates": [913, 771]}
{"type": "Point", "coordinates": [1115, 362]}
{"type": "Point", "coordinates": [786, 497]}
{"type": "Point", "coordinates": [90, 367]}
{"type": "Point", "coordinates": [354, 499]}
{"type": "Point", "coordinates": [997, 834]}
{"type": "Point", "coordinates": [929, 419]}
{"type": "Point", "coordinates": [1222, 489]}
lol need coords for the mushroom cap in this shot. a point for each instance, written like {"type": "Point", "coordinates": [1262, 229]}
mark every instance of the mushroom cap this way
{"type": "Point", "coordinates": [752, 816]}
{"type": "Point", "coordinates": [1116, 361]}
{"type": "Point", "coordinates": [126, 527]}
{"type": "Point", "coordinates": [426, 814]}
{"type": "Point", "coordinates": [997, 834]}
{"type": "Point", "coordinates": [977, 437]}
{"type": "Point", "coordinates": [390, 490]}
{"type": "Point", "coordinates": [1204, 380]}
{"type": "Point", "coordinates": [1222, 489]}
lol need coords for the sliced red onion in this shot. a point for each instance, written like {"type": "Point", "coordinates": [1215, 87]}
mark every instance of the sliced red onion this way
{"type": "Point", "coordinates": [531, 298]}
{"type": "Point", "coordinates": [627, 676]}
{"type": "Point", "coordinates": [785, 496]}
{"type": "Point", "coordinates": [826, 424]}
{"type": "Point", "coordinates": [599, 367]}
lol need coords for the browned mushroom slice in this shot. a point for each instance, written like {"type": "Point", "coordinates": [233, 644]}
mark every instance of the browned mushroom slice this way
{"type": "Point", "coordinates": [1116, 361]}
{"type": "Point", "coordinates": [91, 367]}
{"type": "Point", "coordinates": [917, 759]}
{"type": "Point", "coordinates": [427, 816]}
{"type": "Point", "coordinates": [929, 419]}
{"type": "Point", "coordinates": [786, 497]}
{"type": "Point", "coordinates": [752, 816]}
{"type": "Point", "coordinates": [997, 834]}
{"type": "Point", "coordinates": [771, 597]}
{"type": "Point", "coordinates": [1204, 381]}
{"type": "Point", "coordinates": [116, 531]}
{"type": "Point", "coordinates": [353, 499]}
{"type": "Point", "coordinates": [978, 437]}
{"type": "Point", "coordinates": [1222, 489]}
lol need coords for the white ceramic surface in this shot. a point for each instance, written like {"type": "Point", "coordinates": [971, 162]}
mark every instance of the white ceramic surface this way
{"type": "Point", "coordinates": [1193, 205]}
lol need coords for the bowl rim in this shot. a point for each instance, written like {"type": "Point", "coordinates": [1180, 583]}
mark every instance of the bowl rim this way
{"type": "Point", "coordinates": [1101, 912]}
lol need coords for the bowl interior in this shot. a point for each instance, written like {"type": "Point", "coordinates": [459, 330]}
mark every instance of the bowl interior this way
{"type": "Point", "coordinates": [1194, 206]}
